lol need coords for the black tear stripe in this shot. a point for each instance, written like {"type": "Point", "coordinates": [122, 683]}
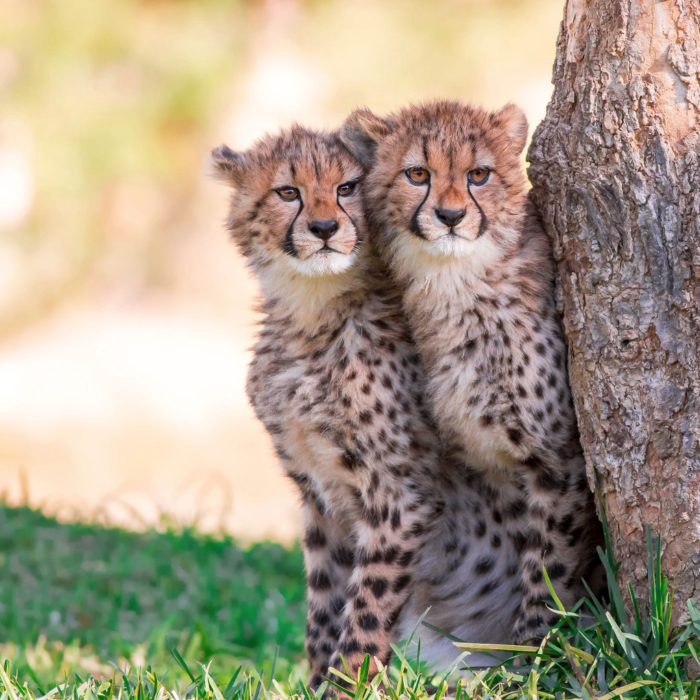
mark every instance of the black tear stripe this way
{"type": "Point", "coordinates": [484, 221]}
{"type": "Point", "coordinates": [358, 235]}
{"type": "Point", "coordinates": [415, 226]}
{"type": "Point", "coordinates": [288, 245]}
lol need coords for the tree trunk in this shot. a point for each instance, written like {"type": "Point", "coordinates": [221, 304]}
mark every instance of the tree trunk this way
{"type": "Point", "coordinates": [615, 168]}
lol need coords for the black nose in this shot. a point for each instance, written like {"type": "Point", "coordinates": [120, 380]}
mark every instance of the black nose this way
{"type": "Point", "coordinates": [323, 229]}
{"type": "Point", "coordinates": [450, 217]}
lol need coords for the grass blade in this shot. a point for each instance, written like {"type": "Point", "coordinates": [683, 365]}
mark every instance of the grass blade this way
{"type": "Point", "coordinates": [626, 689]}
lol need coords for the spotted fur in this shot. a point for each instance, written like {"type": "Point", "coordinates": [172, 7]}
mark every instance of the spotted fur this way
{"type": "Point", "coordinates": [476, 273]}
{"type": "Point", "coordinates": [392, 526]}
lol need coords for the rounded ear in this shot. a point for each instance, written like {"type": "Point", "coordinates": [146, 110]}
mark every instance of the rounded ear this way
{"type": "Point", "coordinates": [361, 132]}
{"type": "Point", "coordinates": [228, 165]}
{"type": "Point", "coordinates": [514, 123]}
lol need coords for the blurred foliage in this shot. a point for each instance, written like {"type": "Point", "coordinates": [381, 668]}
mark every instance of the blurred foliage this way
{"type": "Point", "coordinates": [118, 96]}
{"type": "Point", "coordinates": [121, 100]}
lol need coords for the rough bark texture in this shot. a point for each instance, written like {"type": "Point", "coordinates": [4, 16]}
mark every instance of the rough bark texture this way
{"type": "Point", "coordinates": [615, 168]}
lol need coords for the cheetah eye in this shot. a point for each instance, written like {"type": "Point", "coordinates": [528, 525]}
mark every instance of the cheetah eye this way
{"type": "Point", "coordinates": [478, 176]}
{"type": "Point", "coordinates": [288, 193]}
{"type": "Point", "coordinates": [347, 188]}
{"type": "Point", "coordinates": [418, 176]}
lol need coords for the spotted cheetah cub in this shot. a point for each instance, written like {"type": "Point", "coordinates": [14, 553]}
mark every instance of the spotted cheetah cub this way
{"type": "Point", "coordinates": [337, 383]}
{"type": "Point", "coordinates": [447, 200]}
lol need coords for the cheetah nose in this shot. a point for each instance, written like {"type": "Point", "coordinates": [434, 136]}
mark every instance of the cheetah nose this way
{"type": "Point", "coordinates": [450, 217]}
{"type": "Point", "coordinates": [323, 229]}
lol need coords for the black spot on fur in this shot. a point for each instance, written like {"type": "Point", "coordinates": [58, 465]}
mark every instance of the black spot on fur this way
{"type": "Point", "coordinates": [518, 540]}
{"type": "Point", "coordinates": [483, 566]}
{"type": "Point", "coordinates": [321, 618]}
{"type": "Point", "coordinates": [515, 509]}
{"type": "Point", "coordinates": [515, 436]}
{"type": "Point", "coordinates": [406, 558]}
{"type": "Point", "coordinates": [487, 588]}
{"type": "Point", "coordinates": [378, 586]}
{"type": "Point", "coordinates": [350, 646]}
{"type": "Point", "coordinates": [366, 417]}
{"type": "Point", "coordinates": [556, 571]}
{"type": "Point", "coordinates": [343, 557]}
{"type": "Point", "coordinates": [534, 540]}
{"type": "Point", "coordinates": [372, 516]}
{"type": "Point", "coordinates": [535, 622]}
{"type": "Point", "coordinates": [368, 622]}
{"type": "Point", "coordinates": [565, 524]}
{"type": "Point", "coordinates": [547, 480]}
{"type": "Point", "coordinates": [319, 581]}
{"type": "Point", "coordinates": [417, 529]}
{"type": "Point", "coordinates": [401, 582]}
{"type": "Point", "coordinates": [314, 538]}
{"type": "Point", "coordinates": [392, 619]}
{"type": "Point", "coordinates": [575, 536]}
{"type": "Point", "coordinates": [350, 461]}
{"type": "Point", "coordinates": [390, 555]}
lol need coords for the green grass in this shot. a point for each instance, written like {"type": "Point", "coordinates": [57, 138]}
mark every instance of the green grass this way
{"type": "Point", "coordinates": [114, 595]}
{"type": "Point", "coordinates": [92, 613]}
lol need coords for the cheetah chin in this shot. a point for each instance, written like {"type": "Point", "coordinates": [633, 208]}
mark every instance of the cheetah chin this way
{"type": "Point", "coordinates": [324, 262]}
{"type": "Point", "coordinates": [451, 245]}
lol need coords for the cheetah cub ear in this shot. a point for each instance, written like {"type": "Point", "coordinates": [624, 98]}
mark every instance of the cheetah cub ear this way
{"type": "Point", "coordinates": [361, 132]}
{"type": "Point", "coordinates": [228, 165]}
{"type": "Point", "coordinates": [514, 122]}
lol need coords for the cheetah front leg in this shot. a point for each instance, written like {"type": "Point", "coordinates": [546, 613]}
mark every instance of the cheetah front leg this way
{"type": "Point", "coordinates": [389, 535]}
{"type": "Point", "coordinates": [328, 559]}
{"type": "Point", "coordinates": [563, 532]}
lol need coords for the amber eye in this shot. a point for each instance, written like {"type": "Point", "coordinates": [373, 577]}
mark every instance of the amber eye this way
{"type": "Point", "coordinates": [346, 189]}
{"type": "Point", "coordinates": [418, 176]}
{"type": "Point", "coordinates": [288, 193]}
{"type": "Point", "coordinates": [478, 176]}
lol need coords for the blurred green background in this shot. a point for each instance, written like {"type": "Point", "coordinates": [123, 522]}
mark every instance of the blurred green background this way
{"type": "Point", "coordinates": [125, 314]}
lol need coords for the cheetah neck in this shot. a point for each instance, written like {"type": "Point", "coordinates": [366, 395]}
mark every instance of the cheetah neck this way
{"type": "Point", "coordinates": [314, 302]}
{"type": "Point", "coordinates": [483, 272]}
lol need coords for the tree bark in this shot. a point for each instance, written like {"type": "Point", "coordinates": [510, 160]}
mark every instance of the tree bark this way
{"type": "Point", "coordinates": [615, 169]}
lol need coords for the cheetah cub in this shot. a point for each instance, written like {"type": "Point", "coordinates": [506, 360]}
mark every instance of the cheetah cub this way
{"type": "Point", "coordinates": [338, 384]}
{"type": "Point", "coordinates": [448, 203]}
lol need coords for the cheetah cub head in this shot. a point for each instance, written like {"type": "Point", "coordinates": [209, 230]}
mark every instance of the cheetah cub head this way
{"type": "Point", "coordinates": [296, 210]}
{"type": "Point", "coordinates": [444, 181]}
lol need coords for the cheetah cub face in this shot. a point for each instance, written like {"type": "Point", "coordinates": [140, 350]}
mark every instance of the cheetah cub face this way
{"type": "Point", "coordinates": [446, 178]}
{"type": "Point", "coordinates": [296, 209]}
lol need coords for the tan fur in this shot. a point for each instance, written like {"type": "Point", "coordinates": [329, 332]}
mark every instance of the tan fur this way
{"type": "Point", "coordinates": [338, 384]}
{"type": "Point", "coordinates": [479, 298]}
